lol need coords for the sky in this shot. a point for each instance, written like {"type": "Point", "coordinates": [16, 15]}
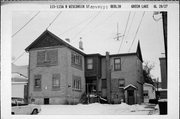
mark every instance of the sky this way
{"type": "Point", "coordinates": [97, 30]}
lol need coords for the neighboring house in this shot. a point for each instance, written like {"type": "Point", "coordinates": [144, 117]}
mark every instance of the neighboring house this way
{"type": "Point", "coordinates": [149, 92]}
{"type": "Point", "coordinates": [60, 73]}
{"type": "Point", "coordinates": [19, 81]}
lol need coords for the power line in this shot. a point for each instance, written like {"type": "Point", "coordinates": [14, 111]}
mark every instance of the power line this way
{"type": "Point", "coordinates": [87, 24]}
{"type": "Point", "coordinates": [135, 35]}
{"type": "Point", "coordinates": [124, 31]}
{"type": "Point", "coordinates": [137, 31]}
{"type": "Point", "coordinates": [54, 19]}
{"type": "Point", "coordinates": [19, 57]}
{"type": "Point", "coordinates": [130, 25]}
{"type": "Point", "coordinates": [26, 24]}
{"type": "Point", "coordinates": [74, 26]}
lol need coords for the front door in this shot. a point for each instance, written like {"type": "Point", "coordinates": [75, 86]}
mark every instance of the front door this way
{"type": "Point", "coordinates": [130, 97]}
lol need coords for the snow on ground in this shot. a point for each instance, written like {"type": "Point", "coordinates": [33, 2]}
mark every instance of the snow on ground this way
{"type": "Point", "coordinates": [95, 109]}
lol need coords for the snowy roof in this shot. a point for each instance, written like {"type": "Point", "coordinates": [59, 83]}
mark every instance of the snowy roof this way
{"type": "Point", "coordinates": [129, 86]}
{"type": "Point", "coordinates": [16, 77]}
{"type": "Point", "coordinates": [56, 38]}
{"type": "Point", "coordinates": [148, 84]}
{"type": "Point", "coordinates": [22, 70]}
{"type": "Point", "coordinates": [160, 89]}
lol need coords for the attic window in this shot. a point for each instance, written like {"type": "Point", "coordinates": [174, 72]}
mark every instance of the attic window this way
{"type": "Point", "coordinates": [47, 58]}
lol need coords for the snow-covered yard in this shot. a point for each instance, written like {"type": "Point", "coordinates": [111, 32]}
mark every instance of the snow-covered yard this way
{"type": "Point", "coordinates": [97, 109]}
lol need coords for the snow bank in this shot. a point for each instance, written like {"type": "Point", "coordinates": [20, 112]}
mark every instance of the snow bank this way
{"type": "Point", "coordinates": [95, 109]}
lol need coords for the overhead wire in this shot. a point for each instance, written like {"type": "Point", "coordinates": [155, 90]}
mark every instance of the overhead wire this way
{"type": "Point", "coordinates": [71, 28]}
{"type": "Point", "coordinates": [135, 35]}
{"type": "Point", "coordinates": [124, 31]}
{"type": "Point", "coordinates": [87, 24]}
{"type": "Point", "coordinates": [19, 57]}
{"type": "Point", "coordinates": [136, 32]}
{"type": "Point", "coordinates": [54, 19]}
{"type": "Point", "coordinates": [25, 24]}
{"type": "Point", "coordinates": [130, 26]}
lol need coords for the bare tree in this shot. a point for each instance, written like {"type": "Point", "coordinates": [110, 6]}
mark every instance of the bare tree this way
{"type": "Point", "coordinates": [147, 67]}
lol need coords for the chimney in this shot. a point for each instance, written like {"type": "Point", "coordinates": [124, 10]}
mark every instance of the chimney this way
{"type": "Point", "coordinates": [68, 40]}
{"type": "Point", "coordinates": [81, 44]}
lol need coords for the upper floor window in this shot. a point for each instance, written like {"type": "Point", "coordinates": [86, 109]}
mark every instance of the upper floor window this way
{"type": "Point", "coordinates": [37, 81]}
{"type": "Point", "coordinates": [90, 63]}
{"type": "Point", "coordinates": [47, 58]}
{"type": "Point", "coordinates": [76, 82]}
{"type": "Point", "coordinates": [117, 64]}
{"type": "Point", "coordinates": [56, 81]}
{"type": "Point", "coordinates": [121, 82]}
{"type": "Point", "coordinates": [76, 60]}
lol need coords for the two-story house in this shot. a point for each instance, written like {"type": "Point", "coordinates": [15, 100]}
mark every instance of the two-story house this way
{"type": "Point", "coordinates": [116, 77]}
{"type": "Point", "coordinates": [56, 71]}
{"type": "Point", "coordinates": [60, 73]}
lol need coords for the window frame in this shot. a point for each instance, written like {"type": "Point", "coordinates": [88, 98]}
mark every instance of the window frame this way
{"type": "Point", "coordinates": [121, 86]}
{"type": "Point", "coordinates": [115, 64]}
{"type": "Point", "coordinates": [56, 77]}
{"type": "Point", "coordinates": [76, 60]}
{"type": "Point", "coordinates": [37, 77]}
{"type": "Point", "coordinates": [47, 61]}
{"type": "Point", "coordinates": [76, 83]}
{"type": "Point", "coordinates": [90, 64]}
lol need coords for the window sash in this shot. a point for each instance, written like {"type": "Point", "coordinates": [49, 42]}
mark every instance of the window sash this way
{"type": "Point", "coordinates": [37, 81]}
{"type": "Point", "coordinates": [117, 64]}
{"type": "Point", "coordinates": [56, 81]}
{"type": "Point", "coordinates": [76, 82]}
{"type": "Point", "coordinates": [90, 63]}
{"type": "Point", "coordinates": [76, 59]}
{"type": "Point", "coordinates": [121, 82]}
{"type": "Point", "coordinates": [48, 57]}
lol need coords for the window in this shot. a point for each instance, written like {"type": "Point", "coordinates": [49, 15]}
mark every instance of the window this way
{"type": "Point", "coordinates": [56, 81]}
{"type": "Point", "coordinates": [117, 64]}
{"type": "Point", "coordinates": [121, 82]}
{"type": "Point", "coordinates": [90, 63]}
{"type": "Point", "coordinates": [104, 83]}
{"type": "Point", "coordinates": [76, 60]}
{"type": "Point", "coordinates": [145, 93]}
{"type": "Point", "coordinates": [47, 58]}
{"type": "Point", "coordinates": [76, 82]}
{"type": "Point", "coordinates": [37, 81]}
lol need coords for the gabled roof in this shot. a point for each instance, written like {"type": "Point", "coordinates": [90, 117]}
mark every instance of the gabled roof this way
{"type": "Point", "coordinates": [138, 51]}
{"type": "Point", "coordinates": [130, 85]}
{"type": "Point", "coordinates": [56, 39]}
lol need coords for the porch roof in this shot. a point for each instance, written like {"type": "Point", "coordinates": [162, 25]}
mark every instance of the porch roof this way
{"type": "Point", "coordinates": [130, 85]}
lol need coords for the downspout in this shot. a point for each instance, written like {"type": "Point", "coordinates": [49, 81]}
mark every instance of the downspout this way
{"type": "Point", "coordinates": [108, 76]}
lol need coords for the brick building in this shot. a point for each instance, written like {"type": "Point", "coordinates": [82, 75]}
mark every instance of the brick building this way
{"type": "Point", "coordinates": [60, 73]}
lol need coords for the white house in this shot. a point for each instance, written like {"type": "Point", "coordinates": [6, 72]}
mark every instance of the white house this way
{"type": "Point", "coordinates": [19, 81]}
{"type": "Point", "coordinates": [149, 92]}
